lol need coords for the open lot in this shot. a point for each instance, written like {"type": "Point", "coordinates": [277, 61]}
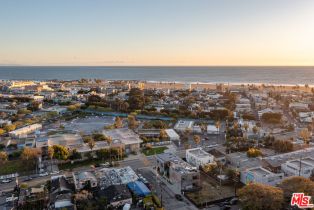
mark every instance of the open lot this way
{"type": "Point", "coordinates": [211, 191]}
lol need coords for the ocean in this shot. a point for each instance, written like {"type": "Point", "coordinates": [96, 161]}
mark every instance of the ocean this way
{"type": "Point", "coordinates": [237, 74]}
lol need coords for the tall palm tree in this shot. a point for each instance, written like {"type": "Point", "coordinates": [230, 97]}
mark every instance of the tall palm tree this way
{"type": "Point", "coordinates": [218, 125]}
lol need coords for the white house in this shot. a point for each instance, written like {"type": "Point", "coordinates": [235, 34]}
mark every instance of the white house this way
{"type": "Point", "coordinates": [198, 157]}
{"type": "Point", "coordinates": [211, 129]}
{"type": "Point", "coordinates": [260, 175]}
{"type": "Point", "coordinates": [298, 167]}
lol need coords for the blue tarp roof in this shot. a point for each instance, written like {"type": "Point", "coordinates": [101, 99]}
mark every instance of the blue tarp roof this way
{"type": "Point", "coordinates": [139, 188]}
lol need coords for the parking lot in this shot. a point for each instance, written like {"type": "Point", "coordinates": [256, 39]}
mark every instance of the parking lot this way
{"type": "Point", "coordinates": [89, 124]}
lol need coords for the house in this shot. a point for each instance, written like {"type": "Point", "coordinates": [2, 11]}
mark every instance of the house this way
{"type": "Point", "coordinates": [298, 106]}
{"type": "Point", "coordinates": [125, 136]}
{"type": "Point", "coordinates": [178, 172]}
{"type": "Point", "coordinates": [61, 192]}
{"type": "Point", "coordinates": [260, 175]}
{"type": "Point", "coordinates": [299, 167]}
{"type": "Point", "coordinates": [22, 132]}
{"type": "Point", "coordinates": [198, 157]}
{"type": "Point", "coordinates": [116, 195]}
{"type": "Point", "coordinates": [84, 179]}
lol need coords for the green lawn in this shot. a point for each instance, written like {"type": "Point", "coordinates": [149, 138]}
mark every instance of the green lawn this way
{"type": "Point", "coordinates": [153, 151]}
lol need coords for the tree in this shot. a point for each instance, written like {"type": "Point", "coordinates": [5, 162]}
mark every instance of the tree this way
{"type": "Point", "coordinates": [75, 155]}
{"type": "Point", "coordinates": [2, 131]}
{"type": "Point", "coordinates": [60, 152]}
{"type": "Point", "coordinates": [136, 99]}
{"type": "Point", "coordinates": [163, 134]}
{"type": "Point", "coordinates": [218, 125]}
{"type": "Point", "coordinates": [296, 184]}
{"type": "Point", "coordinates": [118, 122]}
{"type": "Point", "coordinates": [246, 127]}
{"type": "Point", "coordinates": [3, 157]}
{"type": "Point", "coordinates": [283, 146]}
{"type": "Point", "coordinates": [197, 139]}
{"type": "Point", "coordinates": [103, 154]}
{"type": "Point", "coordinates": [83, 200]}
{"type": "Point", "coordinates": [30, 155]}
{"type": "Point", "coordinates": [255, 129]}
{"type": "Point", "coordinates": [132, 123]}
{"type": "Point", "coordinates": [91, 144]}
{"type": "Point", "coordinates": [253, 152]}
{"type": "Point", "coordinates": [305, 135]}
{"type": "Point", "coordinates": [9, 128]}
{"type": "Point", "coordinates": [50, 155]}
{"type": "Point", "coordinates": [260, 197]}
{"type": "Point", "coordinates": [273, 118]}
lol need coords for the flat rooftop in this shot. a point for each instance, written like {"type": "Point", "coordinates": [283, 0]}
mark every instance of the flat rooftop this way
{"type": "Point", "coordinates": [116, 176]}
{"type": "Point", "coordinates": [123, 135]}
{"type": "Point", "coordinates": [199, 152]}
{"type": "Point", "coordinates": [260, 171]}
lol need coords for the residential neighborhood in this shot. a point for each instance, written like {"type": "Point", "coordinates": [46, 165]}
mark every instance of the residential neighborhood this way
{"type": "Point", "coordinates": [101, 144]}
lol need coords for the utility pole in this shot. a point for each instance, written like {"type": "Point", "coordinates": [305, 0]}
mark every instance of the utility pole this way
{"type": "Point", "coordinates": [300, 166]}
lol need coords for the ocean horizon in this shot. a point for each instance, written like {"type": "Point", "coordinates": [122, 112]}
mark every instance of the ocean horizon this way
{"type": "Point", "coordinates": [285, 75]}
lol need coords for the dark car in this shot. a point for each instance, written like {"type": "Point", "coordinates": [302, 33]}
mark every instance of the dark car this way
{"type": "Point", "coordinates": [179, 197]}
{"type": "Point", "coordinates": [233, 201]}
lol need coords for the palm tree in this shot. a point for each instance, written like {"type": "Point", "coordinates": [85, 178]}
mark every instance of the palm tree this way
{"type": "Point", "coordinates": [50, 155]}
{"type": "Point", "coordinates": [305, 135]}
{"type": "Point", "coordinates": [3, 157]}
{"type": "Point", "coordinates": [91, 144]}
{"type": "Point", "coordinates": [218, 125]}
{"type": "Point", "coordinates": [197, 139]}
{"type": "Point", "coordinates": [163, 134]}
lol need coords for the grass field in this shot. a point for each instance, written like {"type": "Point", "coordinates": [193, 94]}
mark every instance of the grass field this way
{"type": "Point", "coordinates": [153, 151]}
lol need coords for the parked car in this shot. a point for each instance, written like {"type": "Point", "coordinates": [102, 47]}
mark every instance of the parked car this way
{"type": "Point", "coordinates": [233, 201]}
{"type": "Point", "coordinates": [43, 174]}
{"type": "Point", "coordinates": [54, 172]}
{"type": "Point", "coordinates": [178, 197]}
{"type": "Point", "coordinates": [6, 181]}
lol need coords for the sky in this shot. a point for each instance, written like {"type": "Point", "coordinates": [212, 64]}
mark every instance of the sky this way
{"type": "Point", "coordinates": [157, 32]}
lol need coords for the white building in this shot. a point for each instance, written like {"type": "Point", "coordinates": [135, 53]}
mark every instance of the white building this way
{"type": "Point", "coordinates": [182, 125]}
{"type": "Point", "coordinates": [260, 175]}
{"type": "Point", "coordinates": [172, 134]}
{"type": "Point", "coordinates": [211, 129]}
{"type": "Point", "coordinates": [298, 167]}
{"type": "Point", "coordinates": [298, 105]}
{"type": "Point", "coordinates": [198, 157]}
{"type": "Point", "coordinates": [22, 132]}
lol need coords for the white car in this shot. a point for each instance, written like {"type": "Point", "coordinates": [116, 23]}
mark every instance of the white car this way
{"type": "Point", "coordinates": [43, 174]}
{"type": "Point", "coordinates": [6, 181]}
{"type": "Point", "coordinates": [9, 199]}
{"type": "Point", "coordinates": [54, 172]}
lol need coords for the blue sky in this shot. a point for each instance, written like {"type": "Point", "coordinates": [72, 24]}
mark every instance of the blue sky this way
{"type": "Point", "coordinates": [157, 32]}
